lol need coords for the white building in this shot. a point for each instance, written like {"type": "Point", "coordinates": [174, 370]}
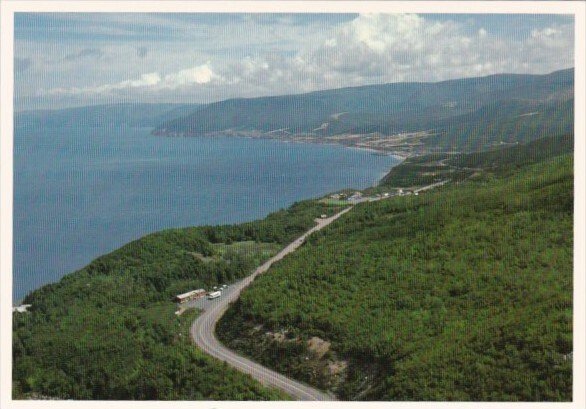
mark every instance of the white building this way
{"type": "Point", "coordinates": [191, 295]}
{"type": "Point", "coordinates": [21, 308]}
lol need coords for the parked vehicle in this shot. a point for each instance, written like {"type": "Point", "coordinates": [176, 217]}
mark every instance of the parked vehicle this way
{"type": "Point", "coordinates": [213, 295]}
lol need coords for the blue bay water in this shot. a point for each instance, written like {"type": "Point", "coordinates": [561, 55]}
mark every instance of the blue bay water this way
{"type": "Point", "coordinates": [80, 193]}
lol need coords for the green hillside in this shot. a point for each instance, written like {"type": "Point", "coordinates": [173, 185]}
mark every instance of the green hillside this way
{"type": "Point", "coordinates": [427, 169]}
{"type": "Point", "coordinates": [109, 330]}
{"type": "Point", "coordinates": [464, 293]}
{"type": "Point", "coordinates": [502, 122]}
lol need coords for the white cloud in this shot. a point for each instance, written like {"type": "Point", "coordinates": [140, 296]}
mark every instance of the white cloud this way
{"type": "Point", "coordinates": [201, 74]}
{"type": "Point", "coordinates": [399, 47]}
{"type": "Point", "coordinates": [145, 80]}
{"type": "Point", "coordinates": [371, 48]}
{"type": "Point", "coordinates": [544, 33]}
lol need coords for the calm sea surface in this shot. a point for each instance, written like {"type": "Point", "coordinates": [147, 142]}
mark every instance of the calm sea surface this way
{"type": "Point", "coordinates": [80, 193]}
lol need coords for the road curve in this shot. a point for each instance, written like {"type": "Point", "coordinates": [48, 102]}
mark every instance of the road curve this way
{"type": "Point", "coordinates": [203, 329]}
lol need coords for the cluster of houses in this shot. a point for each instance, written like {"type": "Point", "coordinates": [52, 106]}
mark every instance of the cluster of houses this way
{"type": "Point", "coordinates": [359, 197]}
{"type": "Point", "coordinates": [401, 192]}
{"type": "Point", "coordinates": [347, 196]}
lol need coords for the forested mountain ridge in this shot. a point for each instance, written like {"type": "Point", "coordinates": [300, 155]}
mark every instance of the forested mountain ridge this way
{"type": "Point", "coordinates": [410, 119]}
{"type": "Point", "coordinates": [508, 107]}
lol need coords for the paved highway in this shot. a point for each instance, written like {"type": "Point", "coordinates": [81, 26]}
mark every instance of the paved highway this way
{"type": "Point", "coordinates": [203, 329]}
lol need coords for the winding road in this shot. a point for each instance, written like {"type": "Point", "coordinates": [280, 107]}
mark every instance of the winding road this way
{"type": "Point", "coordinates": [203, 329]}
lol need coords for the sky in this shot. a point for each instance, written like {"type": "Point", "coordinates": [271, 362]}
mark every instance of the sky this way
{"type": "Point", "coordinates": [74, 59]}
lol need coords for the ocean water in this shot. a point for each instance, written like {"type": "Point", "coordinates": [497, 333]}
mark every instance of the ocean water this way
{"type": "Point", "coordinates": [80, 193]}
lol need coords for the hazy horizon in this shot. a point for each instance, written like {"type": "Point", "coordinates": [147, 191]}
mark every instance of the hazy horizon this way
{"type": "Point", "coordinates": [99, 104]}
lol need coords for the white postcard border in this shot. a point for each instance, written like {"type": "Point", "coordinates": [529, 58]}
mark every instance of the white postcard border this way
{"type": "Point", "coordinates": [9, 7]}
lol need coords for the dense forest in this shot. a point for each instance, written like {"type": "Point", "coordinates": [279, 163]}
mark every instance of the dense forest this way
{"type": "Point", "coordinates": [109, 330]}
{"type": "Point", "coordinates": [463, 293]}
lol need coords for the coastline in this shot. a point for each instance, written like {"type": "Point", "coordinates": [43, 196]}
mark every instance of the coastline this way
{"type": "Point", "coordinates": [379, 177]}
{"type": "Point", "coordinates": [354, 141]}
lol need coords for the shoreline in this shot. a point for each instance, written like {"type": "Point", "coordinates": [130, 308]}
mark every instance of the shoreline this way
{"type": "Point", "coordinates": [292, 138]}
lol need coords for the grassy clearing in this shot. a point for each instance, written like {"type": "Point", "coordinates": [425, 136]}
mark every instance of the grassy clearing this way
{"type": "Point", "coordinates": [334, 202]}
